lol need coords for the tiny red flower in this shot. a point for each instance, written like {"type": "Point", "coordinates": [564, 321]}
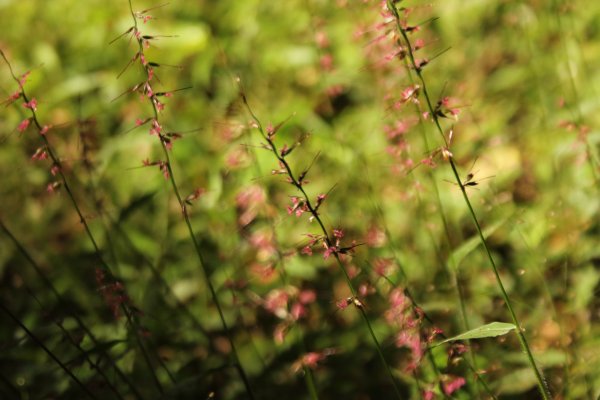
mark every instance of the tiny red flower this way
{"type": "Point", "coordinates": [32, 104]}
{"type": "Point", "coordinates": [23, 125]}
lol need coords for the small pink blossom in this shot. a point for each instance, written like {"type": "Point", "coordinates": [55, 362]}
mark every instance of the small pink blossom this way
{"type": "Point", "coordinates": [52, 187]}
{"type": "Point", "coordinates": [55, 169]}
{"type": "Point", "coordinates": [24, 125]}
{"type": "Point", "coordinates": [45, 129]}
{"type": "Point", "coordinates": [276, 302]}
{"type": "Point", "coordinates": [329, 251]}
{"type": "Point", "coordinates": [307, 296]}
{"type": "Point", "coordinates": [24, 77]}
{"type": "Point", "coordinates": [297, 311]}
{"type": "Point", "coordinates": [40, 154]}
{"type": "Point", "coordinates": [306, 250]}
{"type": "Point", "coordinates": [343, 304]}
{"type": "Point", "coordinates": [322, 39]}
{"type": "Point", "coordinates": [327, 62]}
{"type": "Point", "coordinates": [32, 104]}
{"type": "Point", "coordinates": [453, 385]}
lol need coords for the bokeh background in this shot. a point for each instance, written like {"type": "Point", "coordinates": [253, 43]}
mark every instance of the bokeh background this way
{"type": "Point", "coordinates": [522, 75]}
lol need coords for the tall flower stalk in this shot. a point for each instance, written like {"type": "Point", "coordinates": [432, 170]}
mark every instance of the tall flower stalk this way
{"type": "Point", "coordinates": [121, 301]}
{"type": "Point", "coordinates": [165, 140]}
{"type": "Point", "coordinates": [331, 245]}
{"type": "Point", "coordinates": [418, 68]}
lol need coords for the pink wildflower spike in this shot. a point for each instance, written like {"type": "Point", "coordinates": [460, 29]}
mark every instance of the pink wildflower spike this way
{"type": "Point", "coordinates": [24, 125]}
{"type": "Point", "coordinates": [31, 104]}
{"type": "Point", "coordinates": [453, 385]}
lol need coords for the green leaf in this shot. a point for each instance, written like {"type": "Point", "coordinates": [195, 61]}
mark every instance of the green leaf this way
{"type": "Point", "coordinates": [489, 330]}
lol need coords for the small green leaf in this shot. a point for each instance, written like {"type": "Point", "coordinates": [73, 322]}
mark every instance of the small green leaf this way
{"type": "Point", "coordinates": [488, 330]}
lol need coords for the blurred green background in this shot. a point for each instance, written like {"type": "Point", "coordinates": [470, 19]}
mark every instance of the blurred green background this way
{"type": "Point", "coordinates": [523, 75]}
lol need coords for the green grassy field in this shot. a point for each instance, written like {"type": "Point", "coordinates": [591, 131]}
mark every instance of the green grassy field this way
{"type": "Point", "coordinates": [300, 220]}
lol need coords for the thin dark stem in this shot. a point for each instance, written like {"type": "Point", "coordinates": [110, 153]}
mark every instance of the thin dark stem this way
{"type": "Point", "coordinates": [48, 351]}
{"type": "Point", "coordinates": [65, 306]}
{"type": "Point", "coordinates": [93, 365]}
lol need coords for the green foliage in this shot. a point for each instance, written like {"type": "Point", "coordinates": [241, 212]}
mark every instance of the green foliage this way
{"type": "Point", "coordinates": [521, 75]}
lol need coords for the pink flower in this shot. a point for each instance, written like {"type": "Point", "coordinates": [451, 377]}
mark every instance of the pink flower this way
{"type": "Point", "coordinates": [307, 296]}
{"type": "Point", "coordinates": [453, 385]}
{"type": "Point", "coordinates": [32, 104]}
{"type": "Point", "coordinates": [45, 129]}
{"type": "Point", "coordinates": [307, 251]}
{"type": "Point", "coordinates": [327, 62]}
{"type": "Point", "coordinates": [52, 187]}
{"type": "Point", "coordinates": [329, 251]}
{"type": "Point", "coordinates": [276, 302]}
{"type": "Point", "coordinates": [40, 154]}
{"type": "Point", "coordinates": [23, 125]}
{"type": "Point", "coordinates": [428, 395]}
{"type": "Point", "coordinates": [343, 304]}
{"type": "Point", "coordinates": [297, 311]}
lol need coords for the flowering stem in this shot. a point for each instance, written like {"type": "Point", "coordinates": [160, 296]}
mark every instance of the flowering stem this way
{"type": "Point", "coordinates": [153, 101]}
{"type": "Point", "coordinates": [308, 374]}
{"type": "Point", "coordinates": [313, 211]}
{"type": "Point", "coordinates": [543, 387]}
{"type": "Point", "coordinates": [56, 162]}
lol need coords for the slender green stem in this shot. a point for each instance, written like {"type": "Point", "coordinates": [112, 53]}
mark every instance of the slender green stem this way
{"type": "Point", "coordinates": [41, 344]}
{"type": "Point", "coordinates": [325, 234]}
{"type": "Point", "coordinates": [68, 309]}
{"type": "Point", "coordinates": [153, 100]}
{"type": "Point", "coordinates": [308, 374]}
{"type": "Point", "coordinates": [56, 160]}
{"type": "Point", "coordinates": [543, 387]}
